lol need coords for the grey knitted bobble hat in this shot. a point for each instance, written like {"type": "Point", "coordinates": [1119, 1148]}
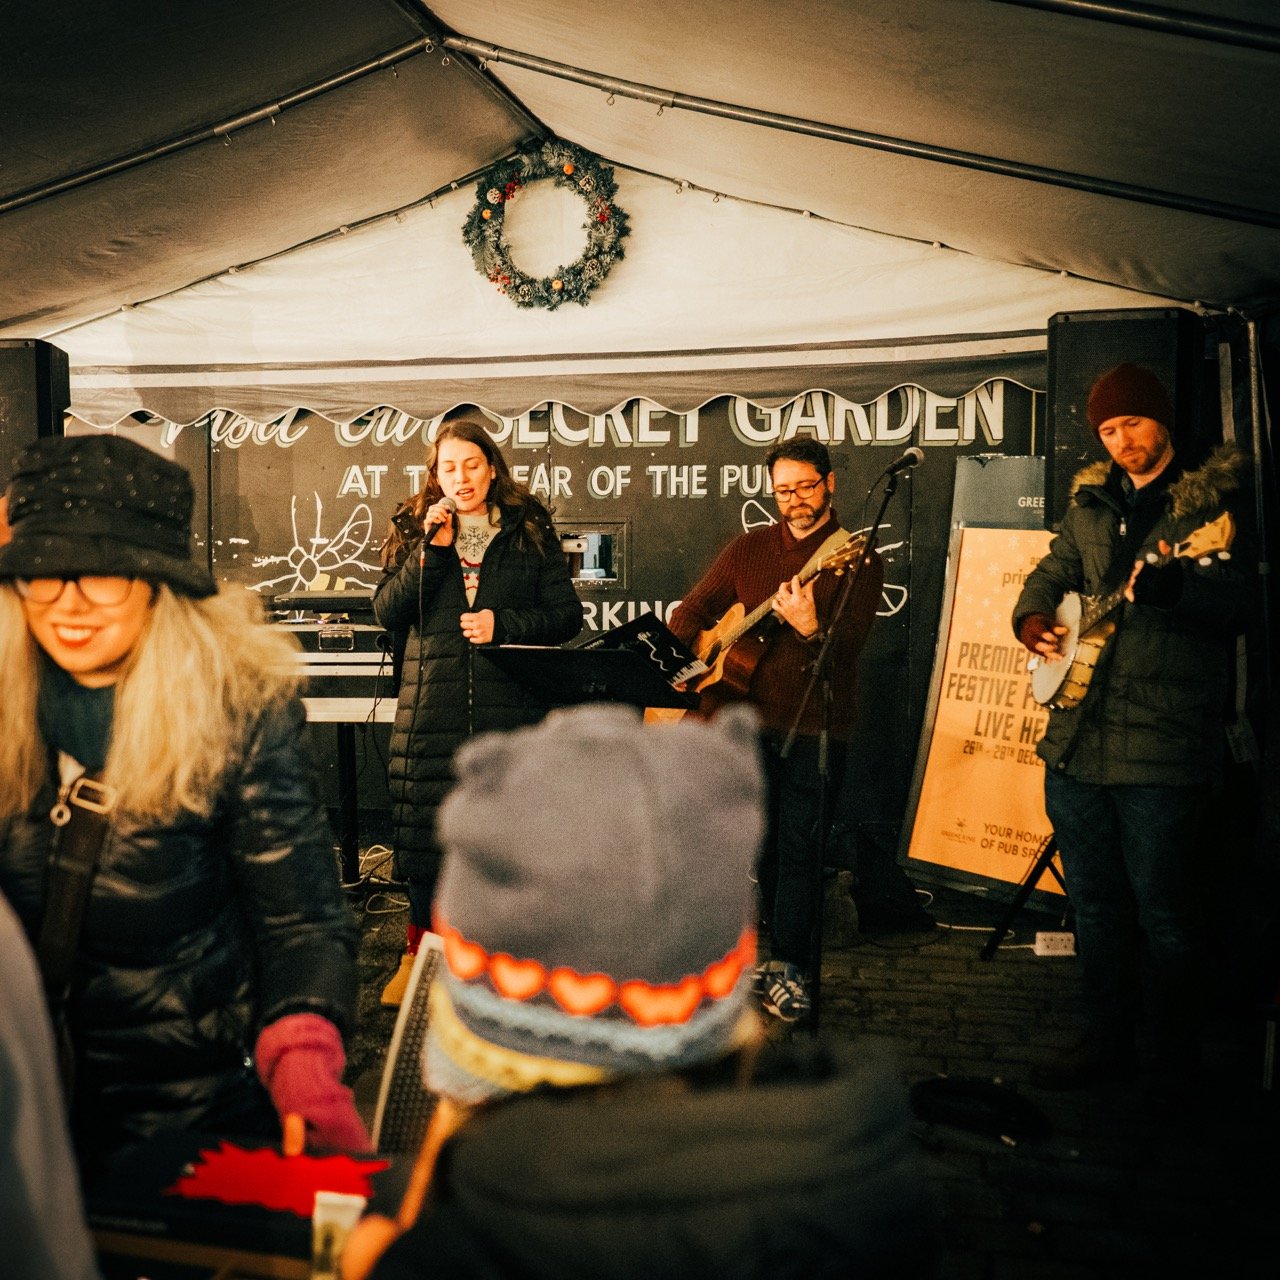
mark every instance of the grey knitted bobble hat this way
{"type": "Point", "coordinates": [596, 901]}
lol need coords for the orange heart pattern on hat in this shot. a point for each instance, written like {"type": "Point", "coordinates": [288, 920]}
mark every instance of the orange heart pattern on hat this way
{"type": "Point", "coordinates": [721, 977]}
{"type": "Point", "coordinates": [516, 979]}
{"type": "Point", "coordinates": [466, 959]}
{"type": "Point", "coordinates": [651, 1005]}
{"type": "Point", "coordinates": [581, 994]}
{"type": "Point", "coordinates": [647, 1004]}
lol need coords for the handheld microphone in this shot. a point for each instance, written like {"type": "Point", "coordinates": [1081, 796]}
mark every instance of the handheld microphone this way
{"type": "Point", "coordinates": [913, 457]}
{"type": "Point", "coordinates": [436, 525]}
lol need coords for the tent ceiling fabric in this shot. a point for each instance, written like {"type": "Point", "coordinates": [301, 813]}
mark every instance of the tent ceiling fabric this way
{"type": "Point", "coordinates": [355, 322]}
{"type": "Point", "coordinates": [1194, 119]}
{"type": "Point", "coordinates": [88, 85]}
{"type": "Point", "coordinates": [134, 269]}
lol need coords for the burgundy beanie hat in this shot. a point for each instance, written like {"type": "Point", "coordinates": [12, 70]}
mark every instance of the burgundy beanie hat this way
{"type": "Point", "coordinates": [1129, 390]}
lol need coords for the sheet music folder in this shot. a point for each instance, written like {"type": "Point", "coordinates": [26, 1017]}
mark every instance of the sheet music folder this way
{"type": "Point", "coordinates": [563, 677]}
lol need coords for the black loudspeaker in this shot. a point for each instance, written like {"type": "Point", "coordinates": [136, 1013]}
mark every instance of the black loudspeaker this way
{"type": "Point", "coordinates": [1083, 344]}
{"type": "Point", "coordinates": [35, 390]}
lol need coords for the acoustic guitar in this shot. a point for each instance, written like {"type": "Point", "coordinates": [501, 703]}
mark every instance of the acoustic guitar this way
{"type": "Point", "coordinates": [1061, 683]}
{"type": "Point", "coordinates": [732, 649]}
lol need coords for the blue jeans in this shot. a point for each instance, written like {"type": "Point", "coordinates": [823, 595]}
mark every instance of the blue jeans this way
{"type": "Point", "coordinates": [1127, 852]}
{"type": "Point", "coordinates": [790, 877]}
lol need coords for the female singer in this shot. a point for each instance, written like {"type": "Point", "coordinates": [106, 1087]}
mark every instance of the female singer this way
{"type": "Point", "coordinates": [488, 571]}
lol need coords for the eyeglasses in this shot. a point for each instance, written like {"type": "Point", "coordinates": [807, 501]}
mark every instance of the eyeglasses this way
{"type": "Point", "coordinates": [785, 492]}
{"type": "Point", "coordinates": [95, 590]}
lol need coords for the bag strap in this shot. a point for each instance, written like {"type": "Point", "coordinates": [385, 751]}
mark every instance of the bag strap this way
{"type": "Point", "coordinates": [81, 816]}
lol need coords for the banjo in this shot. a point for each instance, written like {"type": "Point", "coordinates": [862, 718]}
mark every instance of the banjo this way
{"type": "Point", "coordinates": [1061, 683]}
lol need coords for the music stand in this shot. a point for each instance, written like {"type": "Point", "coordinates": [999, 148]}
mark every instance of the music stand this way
{"type": "Point", "coordinates": [563, 677]}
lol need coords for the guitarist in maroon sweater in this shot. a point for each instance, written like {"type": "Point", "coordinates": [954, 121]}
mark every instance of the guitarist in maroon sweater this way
{"type": "Point", "coordinates": [773, 670]}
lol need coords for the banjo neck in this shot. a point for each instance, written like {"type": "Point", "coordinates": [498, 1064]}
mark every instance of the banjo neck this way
{"type": "Point", "coordinates": [1216, 536]}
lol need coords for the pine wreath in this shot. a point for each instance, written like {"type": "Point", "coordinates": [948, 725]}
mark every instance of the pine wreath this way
{"type": "Point", "coordinates": [484, 231]}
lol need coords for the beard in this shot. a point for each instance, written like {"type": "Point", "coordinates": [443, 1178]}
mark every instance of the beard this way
{"type": "Point", "coordinates": [805, 516]}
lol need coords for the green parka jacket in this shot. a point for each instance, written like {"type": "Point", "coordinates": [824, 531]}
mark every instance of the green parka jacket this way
{"type": "Point", "coordinates": [1154, 711]}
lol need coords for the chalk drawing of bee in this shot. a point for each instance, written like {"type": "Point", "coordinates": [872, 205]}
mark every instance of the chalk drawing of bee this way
{"type": "Point", "coordinates": [316, 561]}
{"type": "Point", "coordinates": [893, 597]}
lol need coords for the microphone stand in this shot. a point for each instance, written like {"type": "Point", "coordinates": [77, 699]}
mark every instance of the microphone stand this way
{"type": "Point", "coordinates": [820, 676]}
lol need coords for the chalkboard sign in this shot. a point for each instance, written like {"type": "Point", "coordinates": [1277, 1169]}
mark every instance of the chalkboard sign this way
{"type": "Point", "coordinates": [643, 499]}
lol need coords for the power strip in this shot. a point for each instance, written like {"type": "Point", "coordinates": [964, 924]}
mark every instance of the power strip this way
{"type": "Point", "coordinates": [1054, 944]}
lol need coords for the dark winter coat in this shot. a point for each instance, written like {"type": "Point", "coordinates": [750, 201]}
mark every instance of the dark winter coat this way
{"type": "Point", "coordinates": [198, 933]}
{"type": "Point", "coordinates": [1154, 711]}
{"type": "Point", "coordinates": [809, 1173]}
{"type": "Point", "coordinates": [448, 691]}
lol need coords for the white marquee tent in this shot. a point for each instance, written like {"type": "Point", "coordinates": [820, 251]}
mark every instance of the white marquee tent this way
{"type": "Point", "coordinates": [259, 206]}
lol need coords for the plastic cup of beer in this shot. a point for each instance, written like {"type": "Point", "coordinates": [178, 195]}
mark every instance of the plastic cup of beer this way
{"type": "Point", "coordinates": [335, 1213]}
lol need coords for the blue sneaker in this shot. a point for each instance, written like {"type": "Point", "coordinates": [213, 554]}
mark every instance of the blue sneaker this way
{"type": "Point", "coordinates": [785, 995]}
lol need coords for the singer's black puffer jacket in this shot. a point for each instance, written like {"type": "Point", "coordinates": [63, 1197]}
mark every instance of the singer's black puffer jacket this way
{"type": "Point", "coordinates": [448, 691]}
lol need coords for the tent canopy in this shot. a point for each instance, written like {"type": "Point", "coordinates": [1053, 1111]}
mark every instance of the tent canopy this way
{"type": "Point", "coordinates": [253, 189]}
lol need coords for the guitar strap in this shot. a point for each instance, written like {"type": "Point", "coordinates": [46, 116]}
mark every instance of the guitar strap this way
{"type": "Point", "coordinates": [837, 539]}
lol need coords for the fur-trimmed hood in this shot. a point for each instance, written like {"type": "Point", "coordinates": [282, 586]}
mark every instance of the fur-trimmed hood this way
{"type": "Point", "coordinates": [1209, 486]}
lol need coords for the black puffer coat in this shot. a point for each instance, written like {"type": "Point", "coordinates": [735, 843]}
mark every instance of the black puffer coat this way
{"type": "Point", "coordinates": [198, 933]}
{"type": "Point", "coordinates": [448, 691]}
{"type": "Point", "coordinates": [1154, 711]}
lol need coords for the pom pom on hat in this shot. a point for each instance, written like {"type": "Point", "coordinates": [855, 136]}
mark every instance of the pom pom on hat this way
{"type": "Point", "coordinates": [595, 902]}
{"type": "Point", "coordinates": [1131, 391]}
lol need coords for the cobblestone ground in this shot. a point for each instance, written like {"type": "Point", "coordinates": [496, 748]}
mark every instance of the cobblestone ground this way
{"type": "Point", "coordinates": [1121, 1186]}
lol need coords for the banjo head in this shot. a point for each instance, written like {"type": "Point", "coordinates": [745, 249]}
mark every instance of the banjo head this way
{"type": "Point", "coordinates": [1047, 677]}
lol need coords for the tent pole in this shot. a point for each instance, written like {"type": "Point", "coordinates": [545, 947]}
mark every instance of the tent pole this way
{"type": "Point", "coordinates": [223, 129]}
{"type": "Point", "coordinates": [1173, 22]}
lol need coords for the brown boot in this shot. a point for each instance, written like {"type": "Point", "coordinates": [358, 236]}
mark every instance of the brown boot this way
{"type": "Point", "coordinates": [393, 992]}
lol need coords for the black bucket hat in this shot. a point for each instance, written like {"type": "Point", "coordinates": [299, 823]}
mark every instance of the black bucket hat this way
{"type": "Point", "coordinates": [101, 506]}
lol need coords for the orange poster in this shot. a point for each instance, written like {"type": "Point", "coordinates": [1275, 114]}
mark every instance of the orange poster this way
{"type": "Point", "coordinates": [980, 807]}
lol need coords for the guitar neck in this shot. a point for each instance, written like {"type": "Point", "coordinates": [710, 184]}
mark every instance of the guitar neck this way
{"type": "Point", "coordinates": [761, 610]}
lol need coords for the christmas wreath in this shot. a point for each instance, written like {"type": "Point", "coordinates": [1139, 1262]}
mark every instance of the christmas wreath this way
{"type": "Point", "coordinates": [606, 226]}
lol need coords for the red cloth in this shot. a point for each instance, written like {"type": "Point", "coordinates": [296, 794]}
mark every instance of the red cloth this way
{"type": "Point", "coordinates": [300, 1060]}
{"type": "Point", "coordinates": [748, 572]}
{"type": "Point", "coordinates": [234, 1175]}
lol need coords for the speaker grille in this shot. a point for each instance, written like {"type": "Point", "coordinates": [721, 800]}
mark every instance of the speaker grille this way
{"type": "Point", "coordinates": [35, 390]}
{"type": "Point", "coordinates": [1083, 344]}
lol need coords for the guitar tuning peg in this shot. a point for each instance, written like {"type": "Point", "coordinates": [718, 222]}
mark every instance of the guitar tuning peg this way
{"type": "Point", "coordinates": [1224, 555]}
{"type": "Point", "coordinates": [1152, 557]}
{"type": "Point", "coordinates": [1205, 561]}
